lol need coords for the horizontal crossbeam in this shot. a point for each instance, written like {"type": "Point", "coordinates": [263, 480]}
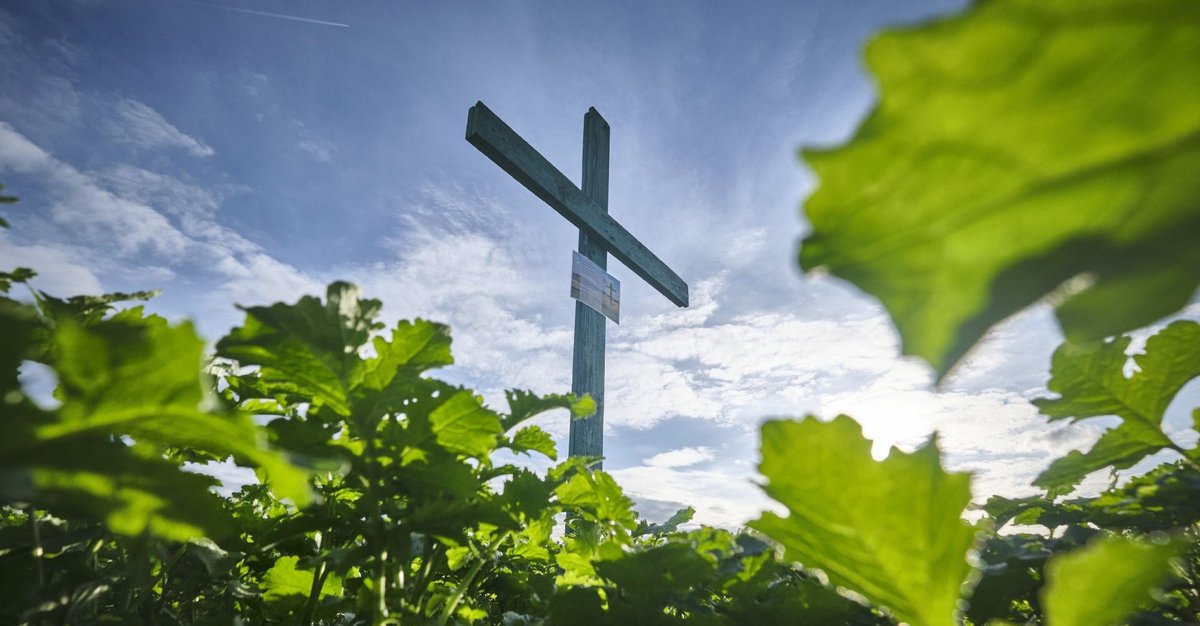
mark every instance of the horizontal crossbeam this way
{"type": "Point", "coordinates": [487, 132]}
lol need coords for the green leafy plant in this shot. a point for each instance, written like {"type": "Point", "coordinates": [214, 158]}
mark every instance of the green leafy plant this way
{"type": "Point", "coordinates": [1090, 378]}
{"type": "Point", "coordinates": [131, 396]}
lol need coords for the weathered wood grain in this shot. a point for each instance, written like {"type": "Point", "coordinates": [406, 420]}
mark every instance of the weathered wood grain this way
{"type": "Point", "coordinates": [587, 364]}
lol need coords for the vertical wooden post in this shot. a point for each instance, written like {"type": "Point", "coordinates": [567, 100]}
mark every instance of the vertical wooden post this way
{"type": "Point", "coordinates": [587, 366]}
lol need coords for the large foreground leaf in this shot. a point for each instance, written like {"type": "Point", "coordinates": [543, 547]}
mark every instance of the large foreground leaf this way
{"type": "Point", "coordinates": [891, 530]}
{"type": "Point", "coordinates": [131, 387]}
{"type": "Point", "coordinates": [1103, 583]}
{"type": "Point", "coordinates": [1013, 148]}
{"type": "Point", "coordinates": [1091, 381]}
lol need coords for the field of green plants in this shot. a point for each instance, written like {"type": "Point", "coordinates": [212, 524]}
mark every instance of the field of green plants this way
{"type": "Point", "coordinates": [1061, 171]}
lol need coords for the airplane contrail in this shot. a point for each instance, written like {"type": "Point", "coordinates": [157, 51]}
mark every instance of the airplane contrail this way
{"type": "Point", "coordinates": [281, 16]}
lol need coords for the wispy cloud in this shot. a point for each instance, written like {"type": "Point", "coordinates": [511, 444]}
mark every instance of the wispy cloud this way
{"type": "Point", "coordinates": [681, 457]}
{"type": "Point", "coordinates": [140, 126]}
{"type": "Point", "coordinates": [59, 270]}
{"type": "Point", "coordinates": [142, 226]}
{"type": "Point", "coordinates": [315, 150]}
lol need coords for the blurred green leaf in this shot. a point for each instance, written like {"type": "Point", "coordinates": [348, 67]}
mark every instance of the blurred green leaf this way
{"type": "Point", "coordinates": [18, 275]}
{"type": "Point", "coordinates": [891, 530]}
{"type": "Point", "coordinates": [20, 327]}
{"type": "Point", "coordinates": [284, 579]}
{"type": "Point", "coordinates": [286, 588]}
{"type": "Point", "coordinates": [136, 377]}
{"type": "Point", "coordinates": [682, 516]}
{"type": "Point", "coordinates": [1014, 147]}
{"type": "Point", "coordinates": [1090, 378]}
{"type": "Point", "coordinates": [1103, 583]}
{"type": "Point", "coordinates": [4, 199]}
{"type": "Point", "coordinates": [130, 489]}
{"type": "Point", "coordinates": [598, 497]}
{"type": "Point", "coordinates": [90, 309]}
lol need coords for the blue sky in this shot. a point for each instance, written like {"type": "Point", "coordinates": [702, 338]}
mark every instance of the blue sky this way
{"type": "Point", "coordinates": [227, 156]}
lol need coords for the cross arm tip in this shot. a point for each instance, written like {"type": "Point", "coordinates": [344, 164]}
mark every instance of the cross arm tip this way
{"type": "Point", "coordinates": [593, 113]}
{"type": "Point", "coordinates": [478, 110]}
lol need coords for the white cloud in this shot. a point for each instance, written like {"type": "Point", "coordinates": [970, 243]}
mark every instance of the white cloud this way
{"type": "Point", "coordinates": [20, 154]}
{"type": "Point", "coordinates": [725, 497]}
{"type": "Point", "coordinates": [475, 284]}
{"type": "Point", "coordinates": [140, 226]}
{"type": "Point", "coordinates": [59, 271]}
{"type": "Point", "coordinates": [123, 227]}
{"type": "Point", "coordinates": [680, 457]}
{"type": "Point", "coordinates": [258, 278]}
{"type": "Point", "coordinates": [142, 127]}
{"type": "Point", "coordinates": [745, 247]}
{"type": "Point", "coordinates": [315, 150]}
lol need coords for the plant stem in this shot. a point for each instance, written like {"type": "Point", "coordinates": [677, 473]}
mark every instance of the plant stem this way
{"type": "Point", "coordinates": [37, 549]}
{"type": "Point", "coordinates": [162, 577]}
{"type": "Point", "coordinates": [1186, 454]}
{"type": "Point", "coordinates": [452, 604]}
{"type": "Point", "coordinates": [381, 585]}
{"type": "Point", "coordinates": [314, 593]}
{"type": "Point", "coordinates": [421, 582]}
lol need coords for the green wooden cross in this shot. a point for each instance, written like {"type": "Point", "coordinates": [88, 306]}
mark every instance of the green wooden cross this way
{"type": "Point", "coordinates": [599, 234]}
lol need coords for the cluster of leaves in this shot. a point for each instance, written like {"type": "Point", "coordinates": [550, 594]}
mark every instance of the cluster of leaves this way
{"type": "Point", "coordinates": [391, 506]}
{"type": "Point", "coordinates": [403, 514]}
{"type": "Point", "coordinates": [893, 530]}
{"type": "Point", "coordinates": [1014, 564]}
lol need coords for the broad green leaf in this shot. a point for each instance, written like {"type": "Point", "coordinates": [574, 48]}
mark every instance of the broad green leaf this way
{"type": "Point", "coordinates": [523, 405]}
{"type": "Point", "coordinates": [413, 348]}
{"type": "Point", "coordinates": [891, 530]}
{"type": "Point", "coordinates": [1103, 583]}
{"type": "Point", "coordinates": [576, 569]}
{"type": "Point", "coordinates": [127, 365]}
{"type": "Point", "coordinates": [143, 380]}
{"type": "Point", "coordinates": [462, 424]}
{"type": "Point", "coordinates": [130, 490]}
{"type": "Point", "coordinates": [390, 381]}
{"type": "Point", "coordinates": [682, 516]}
{"type": "Point", "coordinates": [309, 343]}
{"type": "Point", "coordinates": [1090, 380]}
{"type": "Point", "coordinates": [19, 326]}
{"type": "Point", "coordinates": [534, 439]}
{"type": "Point", "coordinates": [285, 583]}
{"type": "Point", "coordinates": [597, 496]}
{"type": "Point", "coordinates": [1002, 510]}
{"type": "Point", "coordinates": [1014, 147]}
{"type": "Point", "coordinates": [90, 309]}
{"type": "Point", "coordinates": [527, 496]}
{"type": "Point", "coordinates": [650, 581]}
{"type": "Point", "coordinates": [18, 275]}
{"type": "Point", "coordinates": [1165, 498]}
{"type": "Point", "coordinates": [135, 377]}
